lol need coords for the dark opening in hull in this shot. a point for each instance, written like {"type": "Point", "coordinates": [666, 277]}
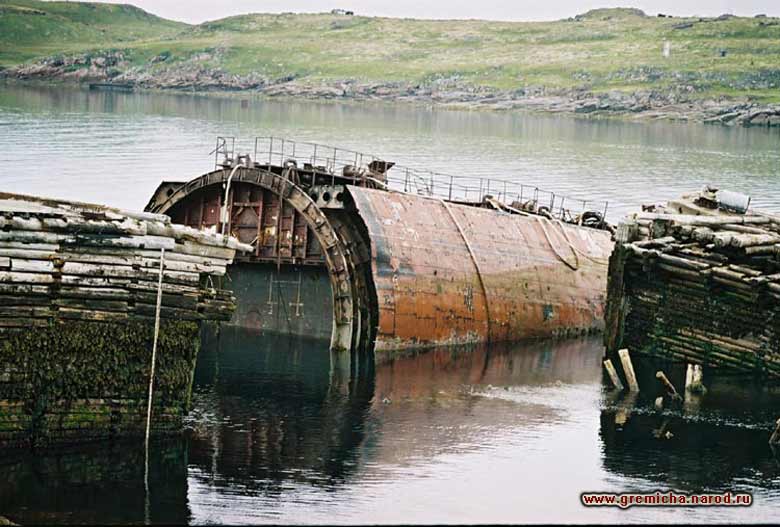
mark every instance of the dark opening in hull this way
{"type": "Point", "coordinates": [287, 299]}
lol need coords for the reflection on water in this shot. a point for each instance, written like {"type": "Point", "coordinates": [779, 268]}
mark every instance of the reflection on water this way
{"type": "Point", "coordinates": [504, 434]}
{"type": "Point", "coordinates": [95, 484]}
{"type": "Point", "coordinates": [116, 147]}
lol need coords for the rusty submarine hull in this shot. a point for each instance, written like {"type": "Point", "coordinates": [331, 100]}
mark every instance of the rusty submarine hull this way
{"type": "Point", "coordinates": [381, 258]}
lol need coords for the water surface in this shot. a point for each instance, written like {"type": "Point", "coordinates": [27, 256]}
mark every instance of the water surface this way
{"type": "Point", "coordinates": [502, 435]}
{"type": "Point", "coordinates": [115, 148]}
{"type": "Point", "coordinates": [505, 434]}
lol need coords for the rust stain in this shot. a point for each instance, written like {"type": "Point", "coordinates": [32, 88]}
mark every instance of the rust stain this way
{"type": "Point", "coordinates": [428, 281]}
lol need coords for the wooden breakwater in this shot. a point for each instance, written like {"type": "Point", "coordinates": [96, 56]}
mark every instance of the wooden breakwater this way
{"type": "Point", "coordinates": [699, 284]}
{"type": "Point", "coordinates": [78, 293]}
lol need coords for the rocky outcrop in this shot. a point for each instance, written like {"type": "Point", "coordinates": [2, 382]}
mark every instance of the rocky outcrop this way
{"type": "Point", "coordinates": [681, 101]}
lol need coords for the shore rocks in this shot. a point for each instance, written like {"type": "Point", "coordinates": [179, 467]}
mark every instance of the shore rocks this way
{"type": "Point", "coordinates": [680, 101]}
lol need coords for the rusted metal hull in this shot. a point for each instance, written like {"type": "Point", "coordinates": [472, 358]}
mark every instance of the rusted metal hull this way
{"type": "Point", "coordinates": [451, 274]}
{"type": "Point", "coordinates": [403, 270]}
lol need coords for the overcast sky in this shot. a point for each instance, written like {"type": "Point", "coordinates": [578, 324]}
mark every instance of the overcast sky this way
{"type": "Point", "coordinates": [196, 11]}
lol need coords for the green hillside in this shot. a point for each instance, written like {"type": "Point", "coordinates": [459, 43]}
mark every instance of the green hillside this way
{"type": "Point", "coordinates": [31, 29]}
{"type": "Point", "coordinates": [603, 50]}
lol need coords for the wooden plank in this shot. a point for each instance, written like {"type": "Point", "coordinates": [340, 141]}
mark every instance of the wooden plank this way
{"type": "Point", "coordinates": [7, 277]}
{"type": "Point", "coordinates": [73, 225]}
{"type": "Point", "coordinates": [113, 271]}
{"type": "Point", "coordinates": [24, 290]}
{"type": "Point", "coordinates": [135, 242]}
{"type": "Point", "coordinates": [91, 304]}
{"type": "Point", "coordinates": [81, 314]}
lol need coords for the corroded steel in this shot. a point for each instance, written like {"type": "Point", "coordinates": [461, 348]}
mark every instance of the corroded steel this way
{"type": "Point", "coordinates": [438, 270]}
{"type": "Point", "coordinates": [405, 270]}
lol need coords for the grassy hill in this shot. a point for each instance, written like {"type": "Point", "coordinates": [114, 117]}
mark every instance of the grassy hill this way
{"type": "Point", "coordinates": [605, 50]}
{"type": "Point", "coordinates": [31, 29]}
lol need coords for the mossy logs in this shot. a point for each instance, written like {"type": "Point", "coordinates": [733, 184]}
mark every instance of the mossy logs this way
{"type": "Point", "coordinates": [87, 380]}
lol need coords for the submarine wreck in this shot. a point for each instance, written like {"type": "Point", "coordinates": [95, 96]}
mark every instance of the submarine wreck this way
{"type": "Point", "coordinates": [380, 258]}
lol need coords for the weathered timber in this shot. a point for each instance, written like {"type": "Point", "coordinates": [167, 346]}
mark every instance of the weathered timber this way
{"type": "Point", "coordinates": [670, 389]}
{"type": "Point", "coordinates": [708, 294]}
{"type": "Point", "coordinates": [628, 370]}
{"type": "Point", "coordinates": [78, 290]}
{"type": "Point", "coordinates": [613, 375]}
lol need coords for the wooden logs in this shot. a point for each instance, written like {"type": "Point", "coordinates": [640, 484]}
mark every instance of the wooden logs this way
{"type": "Point", "coordinates": [64, 261]}
{"type": "Point", "coordinates": [705, 289]}
{"type": "Point", "coordinates": [670, 389]}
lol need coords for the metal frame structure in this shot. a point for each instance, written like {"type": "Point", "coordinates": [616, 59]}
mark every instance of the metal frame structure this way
{"type": "Point", "coordinates": [459, 188]}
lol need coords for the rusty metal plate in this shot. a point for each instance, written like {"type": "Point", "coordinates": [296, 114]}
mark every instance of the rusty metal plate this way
{"type": "Point", "coordinates": [453, 274]}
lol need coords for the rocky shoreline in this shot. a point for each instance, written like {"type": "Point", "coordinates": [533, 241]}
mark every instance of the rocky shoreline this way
{"type": "Point", "coordinates": [682, 102]}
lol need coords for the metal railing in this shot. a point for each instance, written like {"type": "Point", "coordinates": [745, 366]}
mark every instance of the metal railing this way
{"type": "Point", "coordinates": [226, 148]}
{"type": "Point", "coordinates": [333, 160]}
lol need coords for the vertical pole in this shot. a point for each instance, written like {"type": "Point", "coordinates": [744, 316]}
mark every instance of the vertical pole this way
{"type": "Point", "coordinates": [450, 192]}
{"type": "Point", "coordinates": [688, 377]}
{"type": "Point", "coordinates": [151, 377]}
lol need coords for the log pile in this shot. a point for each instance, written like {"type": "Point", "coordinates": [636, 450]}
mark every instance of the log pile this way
{"type": "Point", "coordinates": [78, 300]}
{"type": "Point", "coordinates": [63, 261]}
{"type": "Point", "coordinates": [702, 286]}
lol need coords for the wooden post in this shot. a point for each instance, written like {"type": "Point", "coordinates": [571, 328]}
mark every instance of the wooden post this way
{"type": "Point", "coordinates": [625, 408]}
{"type": "Point", "coordinates": [688, 377]}
{"type": "Point", "coordinates": [774, 439]}
{"type": "Point", "coordinates": [669, 386]}
{"type": "Point", "coordinates": [659, 403]}
{"type": "Point", "coordinates": [628, 369]}
{"type": "Point", "coordinates": [613, 376]}
{"type": "Point", "coordinates": [695, 385]}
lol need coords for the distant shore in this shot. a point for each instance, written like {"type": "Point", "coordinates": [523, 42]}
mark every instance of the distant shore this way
{"type": "Point", "coordinates": [643, 106]}
{"type": "Point", "coordinates": [616, 62]}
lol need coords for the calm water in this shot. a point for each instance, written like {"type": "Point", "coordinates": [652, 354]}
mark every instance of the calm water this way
{"type": "Point", "coordinates": [507, 434]}
{"type": "Point", "coordinates": [115, 148]}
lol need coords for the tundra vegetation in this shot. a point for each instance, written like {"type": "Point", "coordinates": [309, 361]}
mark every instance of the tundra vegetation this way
{"type": "Point", "coordinates": [607, 61]}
